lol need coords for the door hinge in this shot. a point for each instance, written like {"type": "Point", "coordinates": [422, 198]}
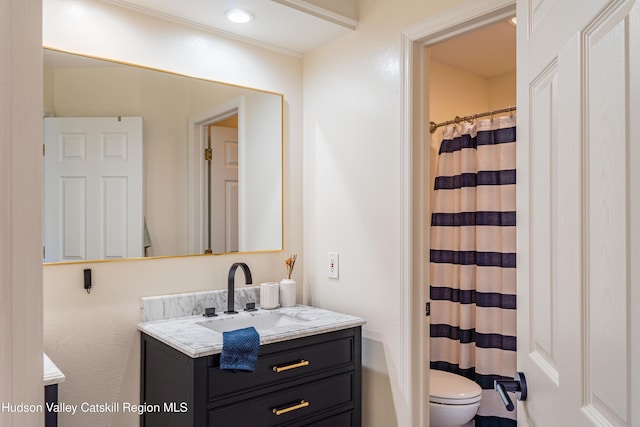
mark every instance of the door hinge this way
{"type": "Point", "coordinates": [427, 309]}
{"type": "Point", "coordinates": [44, 149]}
{"type": "Point", "coordinates": [44, 253]}
{"type": "Point", "coordinates": [208, 154]}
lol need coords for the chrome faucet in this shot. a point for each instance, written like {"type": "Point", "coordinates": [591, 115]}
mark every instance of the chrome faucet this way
{"type": "Point", "coordinates": [231, 285]}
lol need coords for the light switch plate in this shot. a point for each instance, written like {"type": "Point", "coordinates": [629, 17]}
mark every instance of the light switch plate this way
{"type": "Point", "coordinates": [333, 265]}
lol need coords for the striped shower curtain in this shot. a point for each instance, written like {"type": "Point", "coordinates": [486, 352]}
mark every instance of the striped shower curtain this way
{"type": "Point", "coordinates": [473, 260]}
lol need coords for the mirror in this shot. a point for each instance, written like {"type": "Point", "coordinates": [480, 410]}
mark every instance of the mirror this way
{"type": "Point", "coordinates": [185, 206]}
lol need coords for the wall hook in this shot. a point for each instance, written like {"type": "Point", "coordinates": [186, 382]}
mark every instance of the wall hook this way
{"type": "Point", "coordinates": [87, 280]}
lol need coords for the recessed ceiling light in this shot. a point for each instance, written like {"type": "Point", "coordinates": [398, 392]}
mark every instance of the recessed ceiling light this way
{"type": "Point", "coordinates": [513, 21]}
{"type": "Point", "coordinates": [239, 16]}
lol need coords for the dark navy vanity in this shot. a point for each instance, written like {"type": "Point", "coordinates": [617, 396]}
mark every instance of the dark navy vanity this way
{"type": "Point", "coordinates": [310, 381]}
{"type": "Point", "coordinates": [308, 371]}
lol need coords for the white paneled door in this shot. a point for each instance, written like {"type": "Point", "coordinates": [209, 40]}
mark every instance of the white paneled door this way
{"type": "Point", "coordinates": [224, 189]}
{"type": "Point", "coordinates": [93, 188]}
{"type": "Point", "coordinates": [579, 211]}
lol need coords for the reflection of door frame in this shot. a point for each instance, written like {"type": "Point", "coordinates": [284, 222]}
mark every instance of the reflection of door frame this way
{"type": "Point", "coordinates": [196, 170]}
{"type": "Point", "coordinates": [414, 325]}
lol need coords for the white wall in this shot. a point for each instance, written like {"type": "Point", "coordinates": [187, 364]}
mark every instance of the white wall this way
{"type": "Point", "coordinates": [20, 223]}
{"type": "Point", "coordinates": [502, 91]}
{"type": "Point", "coordinates": [263, 188]}
{"type": "Point", "coordinates": [352, 159]}
{"type": "Point", "coordinates": [93, 338]}
{"type": "Point", "coordinates": [457, 92]}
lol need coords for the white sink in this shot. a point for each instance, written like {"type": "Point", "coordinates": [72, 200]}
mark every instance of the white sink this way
{"type": "Point", "coordinates": [260, 321]}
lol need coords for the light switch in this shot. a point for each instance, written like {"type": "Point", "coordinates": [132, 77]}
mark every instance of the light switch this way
{"type": "Point", "coordinates": [333, 265]}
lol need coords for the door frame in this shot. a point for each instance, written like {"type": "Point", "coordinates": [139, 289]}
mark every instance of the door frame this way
{"type": "Point", "coordinates": [414, 324]}
{"type": "Point", "coordinates": [197, 140]}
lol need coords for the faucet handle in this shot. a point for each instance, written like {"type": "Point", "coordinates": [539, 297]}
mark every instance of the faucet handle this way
{"type": "Point", "coordinates": [210, 312]}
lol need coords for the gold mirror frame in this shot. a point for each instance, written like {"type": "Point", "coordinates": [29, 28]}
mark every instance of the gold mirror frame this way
{"type": "Point", "coordinates": [222, 84]}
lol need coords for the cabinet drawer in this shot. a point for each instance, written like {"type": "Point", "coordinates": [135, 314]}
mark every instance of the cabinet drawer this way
{"type": "Point", "coordinates": [287, 405]}
{"type": "Point", "coordinates": [271, 368]}
{"type": "Point", "coordinates": [344, 419]}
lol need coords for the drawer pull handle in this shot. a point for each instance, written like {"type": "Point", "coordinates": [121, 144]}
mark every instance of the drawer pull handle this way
{"type": "Point", "coordinates": [302, 404]}
{"type": "Point", "coordinates": [299, 364]}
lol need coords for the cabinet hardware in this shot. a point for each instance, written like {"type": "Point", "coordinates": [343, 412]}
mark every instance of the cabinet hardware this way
{"type": "Point", "coordinates": [302, 404]}
{"type": "Point", "coordinates": [299, 364]}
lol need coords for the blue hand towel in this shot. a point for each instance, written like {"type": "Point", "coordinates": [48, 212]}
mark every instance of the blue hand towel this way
{"type": "Point", "coordinates": [240, 349]}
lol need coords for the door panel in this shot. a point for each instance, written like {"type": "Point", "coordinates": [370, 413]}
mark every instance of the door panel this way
{"type": "Point", "coordinates": [577, 275]}
{"type": "Point", "coordinates": [544, 161]}
{"type": "Point", "coordinates": [606, 222]}
{"type": "Point", "coordinates": [93, 188]}
{"type": "Point", "coordinates": [74, 206]}
{"type": "Point", "coordinates": [224, 189]}
{"type": "Point", "coordinates": [115, 212]}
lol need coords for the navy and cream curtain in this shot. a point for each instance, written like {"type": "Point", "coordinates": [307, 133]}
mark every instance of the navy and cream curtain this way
{"type": "Point", "coordinates": [473, 260]}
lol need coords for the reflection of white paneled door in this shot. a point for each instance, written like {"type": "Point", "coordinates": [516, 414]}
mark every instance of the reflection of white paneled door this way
{"type": "Point", "coordinates": [578, 210]}
{"type": "Point", "coordinates": [224, 189]}
{"type": "Point", "coordinates": [93, 188]}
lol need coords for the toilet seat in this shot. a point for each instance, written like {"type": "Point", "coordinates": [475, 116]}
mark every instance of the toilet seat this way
{"type": "Point", "coordinates": [451, 389]}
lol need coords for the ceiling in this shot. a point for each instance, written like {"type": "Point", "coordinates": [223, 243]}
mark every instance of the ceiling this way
{"type": "Point", "coordinates": [489, 51]}
{"type": "Point", "coordinates": [290, 26]}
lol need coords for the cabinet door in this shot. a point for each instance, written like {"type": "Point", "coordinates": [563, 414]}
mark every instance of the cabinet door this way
{"type": "Point", "coordinates": [171, 380]}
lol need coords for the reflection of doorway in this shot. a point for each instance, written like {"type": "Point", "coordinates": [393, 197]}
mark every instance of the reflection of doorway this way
{"type": "Point", "coordinates": [226, 115]}
{"type": "Point", "coordinates": [222, 206]}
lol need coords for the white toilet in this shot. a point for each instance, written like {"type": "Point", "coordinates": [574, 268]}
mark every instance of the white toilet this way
{"type": "Point", "coordinates": [453, 399]}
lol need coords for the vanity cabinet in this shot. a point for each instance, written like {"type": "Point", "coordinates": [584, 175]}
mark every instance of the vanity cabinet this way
{"type": "Point", "coordinates": [309, 381]}
{"type": "Point", "coordinates": [50, 399]}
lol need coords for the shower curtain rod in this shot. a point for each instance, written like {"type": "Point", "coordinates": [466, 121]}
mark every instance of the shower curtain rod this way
{"type": "Point", "coordinates": [433, 126]}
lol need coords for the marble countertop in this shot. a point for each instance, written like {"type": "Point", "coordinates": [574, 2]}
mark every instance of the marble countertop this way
{"type": "Point", "coordinates": [188, 335]}
{"type": "Point", "coordinates": [52, 375]}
